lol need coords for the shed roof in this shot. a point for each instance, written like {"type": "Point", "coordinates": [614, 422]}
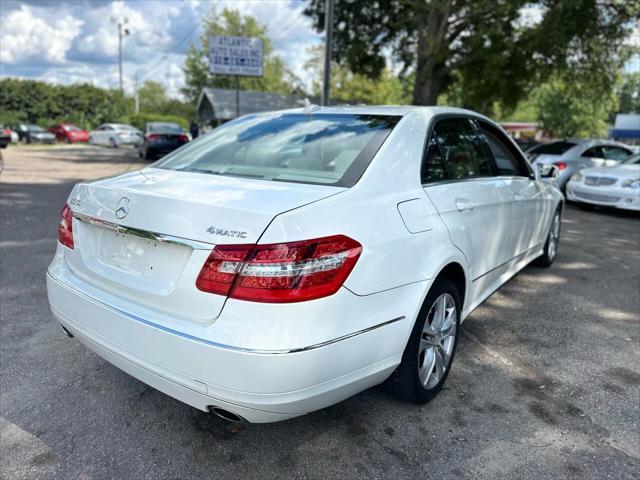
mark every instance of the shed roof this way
{"type": "Point", "coordinates": [220, 103]}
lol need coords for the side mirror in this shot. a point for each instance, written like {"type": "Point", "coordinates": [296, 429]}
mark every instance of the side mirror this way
{"type": "Point", "coordinates": [547, 170]}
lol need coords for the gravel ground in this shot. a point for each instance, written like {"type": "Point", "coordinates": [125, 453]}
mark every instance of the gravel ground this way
{"type": "Point", "coordinates": [546, 382]}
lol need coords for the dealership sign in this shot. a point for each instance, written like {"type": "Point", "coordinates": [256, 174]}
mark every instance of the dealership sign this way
{"type": "Point", "coordinates": [235, 56]}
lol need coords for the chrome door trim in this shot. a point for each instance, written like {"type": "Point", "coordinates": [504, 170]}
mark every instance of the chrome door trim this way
{"type": "Point", "coordinates": [156, 237]}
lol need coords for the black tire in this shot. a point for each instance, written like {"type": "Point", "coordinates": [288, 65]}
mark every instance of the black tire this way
{"type": "Point", "coordinates": [549, 254]}
{"type": "Point", "coordinates": [112, 143]}
{"type": "Point", "coordinates": [404, 383]}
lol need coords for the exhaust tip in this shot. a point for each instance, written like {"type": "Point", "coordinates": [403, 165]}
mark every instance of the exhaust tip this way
{"type": "Point", "coordinates": [67, 332]}
{"type": "Point", "coordinates": [227, 415]}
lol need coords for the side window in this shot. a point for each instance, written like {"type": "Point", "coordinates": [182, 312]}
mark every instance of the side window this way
{"type": "Point", "coordinates": [433, 167]}
{"type": "Point", "coordinates": [506, 161]}
{"type": "Point", "coordinates": [615, 153]}
{"type": "Point", "coordinates": [593, 152]}
{"type": "Point", "coordinates": [462, 149]}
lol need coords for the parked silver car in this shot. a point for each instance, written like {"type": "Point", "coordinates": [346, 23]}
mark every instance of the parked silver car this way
{"type": "Point", "coordinates": [572, 155]}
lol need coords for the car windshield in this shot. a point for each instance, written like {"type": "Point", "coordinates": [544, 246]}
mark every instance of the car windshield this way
{"type": "Point", "coordinates": [326, 149]}
{"type": "Point", "coordinates": [161, 127]}
{"type": "Point", "coordinates": [119, 126]}
{"type": "Point", "coordinates": [71, 128]}
{"type": "Point", "coordinates": [552, 148]}
{"type": "Point", "coordinates": [633, 160]}
{"type": "Point", "coordinates": [34, 128]}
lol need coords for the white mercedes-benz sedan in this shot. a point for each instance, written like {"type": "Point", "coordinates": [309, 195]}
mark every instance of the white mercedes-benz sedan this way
{"type": "Point", "coordinates": [617, 186]}
{"type": "Point", "coordinates": [289, 260]}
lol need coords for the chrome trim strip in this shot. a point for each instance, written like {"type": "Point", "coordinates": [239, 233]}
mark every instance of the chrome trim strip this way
{"type": "Point", "coordinates": [527, 251]}
{"type": "Point", "coordinates": [216, 344]}
{"type": "Point", "coordinates": [156, 237]}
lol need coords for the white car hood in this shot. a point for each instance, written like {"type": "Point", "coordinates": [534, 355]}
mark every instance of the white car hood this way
{"type": "Point", "coordinates": [623, 172]}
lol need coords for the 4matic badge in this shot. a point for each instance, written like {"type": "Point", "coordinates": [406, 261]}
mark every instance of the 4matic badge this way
{"type": "Point", "coordinates": [213, 230]}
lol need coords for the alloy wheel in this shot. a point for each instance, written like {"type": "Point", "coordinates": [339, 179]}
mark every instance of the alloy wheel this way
{"type": "Point", "coordinates": [554, 236]}
{"type": "Point", "coordinates": [437, 341]}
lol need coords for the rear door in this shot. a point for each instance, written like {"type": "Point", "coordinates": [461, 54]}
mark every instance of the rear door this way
{"type": "Point", "coordinates": [527, 205]}
{"type": "Point", "coordinates": [472, 200]}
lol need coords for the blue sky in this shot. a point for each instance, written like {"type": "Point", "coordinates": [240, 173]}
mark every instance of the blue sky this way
{"type": "Point", "coordinates": [76, 41]}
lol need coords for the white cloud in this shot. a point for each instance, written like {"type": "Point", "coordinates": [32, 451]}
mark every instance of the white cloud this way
{"type": "Point", "coordinates": [61, 43]}
{"type": "Point", "coordinates": [148, 31]}
{"type": "Point", "coordinates": [26, 37]}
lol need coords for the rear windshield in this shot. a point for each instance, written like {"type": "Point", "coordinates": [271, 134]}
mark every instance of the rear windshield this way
{"type": "Point", "coordinates": [160, 127]}
{"type": "Point", "coordinates": [325, 149]}
{"type": "Point", "coordinates": [553, 148]}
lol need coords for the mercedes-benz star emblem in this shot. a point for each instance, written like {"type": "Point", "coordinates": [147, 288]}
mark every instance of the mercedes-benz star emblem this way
{"type": "Point", "coordinates": [122, 209]}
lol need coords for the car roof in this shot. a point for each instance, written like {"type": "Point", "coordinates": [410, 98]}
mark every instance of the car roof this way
{"type": "Point", "coordinates": [398, 110]}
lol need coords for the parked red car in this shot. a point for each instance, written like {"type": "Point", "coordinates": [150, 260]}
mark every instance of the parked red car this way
{"type": "Point", "coordinates": [68, 133]}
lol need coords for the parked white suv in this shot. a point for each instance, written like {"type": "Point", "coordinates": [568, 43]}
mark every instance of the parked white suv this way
{"type": "Point", "coordinates": [286, 261]}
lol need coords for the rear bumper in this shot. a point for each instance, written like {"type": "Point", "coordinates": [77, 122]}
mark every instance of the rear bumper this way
{"type": "Point", "coordinates": [162, 148]}
{"type": "Point", "coordinates": [623, 198]}
{"type": "Point", "coordinates": [260, 386]}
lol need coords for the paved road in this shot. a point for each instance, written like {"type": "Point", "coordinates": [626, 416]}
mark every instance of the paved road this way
{"type": "Point", "coordinates": [546, 382]}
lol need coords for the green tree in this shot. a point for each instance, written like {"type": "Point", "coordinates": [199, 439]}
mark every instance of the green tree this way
{"type": "Point", "coordinates": [484, 45]}
{"type": "Point", "coordinates": [43, 103]}
{"type": "Point", "coordinates": [574, 107]}
{"type": "Point", "coordinates": [152, 96]}
{"type": "Point", "coordinates": [629, 93]}
{"type": "Point", "coordinates": [349, 87]}
{"type": "Point", "coordinates": [277, 78]}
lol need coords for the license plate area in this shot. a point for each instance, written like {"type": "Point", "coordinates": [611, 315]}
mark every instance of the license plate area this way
{"type": "Point", "coordinates": [132, 260]}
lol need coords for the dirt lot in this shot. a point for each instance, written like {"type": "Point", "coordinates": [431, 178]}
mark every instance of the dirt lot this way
{"type": "Point", "coordinates": [546, 382]}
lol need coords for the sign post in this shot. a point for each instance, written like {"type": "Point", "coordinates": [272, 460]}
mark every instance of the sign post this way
{"type": "Point", "coordinates": [239, 56]}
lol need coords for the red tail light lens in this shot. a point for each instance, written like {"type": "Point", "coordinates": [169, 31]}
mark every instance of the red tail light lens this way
{"type": "Point", "coordinates": [153, 138]}
{"type": "Point", "coordinates": [560, 165]}
{"type": "Point", "coordinates": [183, 138]}
{"type": "Point", "coordinates": [65, 229]}
{"type": "Point", "coordinates": [281, 272]}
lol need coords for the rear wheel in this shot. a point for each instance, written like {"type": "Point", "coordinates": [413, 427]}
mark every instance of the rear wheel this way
{"type": "Point", "coordinates": [112, 143]}
{"type": "Point", "coordinates": [429, 353]}
{"type": "Point", "coordinates": [551, 246]}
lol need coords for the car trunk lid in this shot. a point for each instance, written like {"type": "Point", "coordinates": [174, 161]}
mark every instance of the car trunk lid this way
{"type": "Point", "coordinates": [144, 236]}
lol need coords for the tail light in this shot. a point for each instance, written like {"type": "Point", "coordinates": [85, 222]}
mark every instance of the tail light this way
{"type": "Point", "coordinates": [183, 138]}
{"type": "Point", "coordinates": [153, 137]}
{"type": "Point", "coordinates": [560, 165]}
{"type": "Point", "coordinates": [7, 131]}
{"type": "Point", "coordinates": [281, 272]}
{"type": "Point", "coordinates": [65, 229]}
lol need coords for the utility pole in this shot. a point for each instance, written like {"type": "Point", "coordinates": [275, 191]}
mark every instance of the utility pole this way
{"type": "Point", "coordinates": [328, 41]}
{"type": "Point", "coordinates": [137, 94]}
{"type": "Point", "coordinates": [122, 32]}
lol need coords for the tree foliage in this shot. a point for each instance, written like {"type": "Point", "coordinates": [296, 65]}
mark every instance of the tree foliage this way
{"type": "Point", "coordinates": [152, 96]}
{"type": "Point", "coordinates": [629, 93]}
{"type": "Point", "coordinates": [154, 100]}
{"type": "Point", "coordinates": [574, 107]}
{"type": "Point", "coordinates": [488, 47]}
{"type": "Point", "coordinates": [43, 103]}
{"type": "Point", "coordinates": [349, 87]}
{"type": "Point", "coordinates": [277, 78]}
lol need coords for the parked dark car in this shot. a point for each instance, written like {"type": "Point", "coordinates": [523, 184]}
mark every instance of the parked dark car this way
{"type": "Point", "coordinates": [161, 138]}
{"type": "Point", "coordinates": [30, 133]}
{"type": "Point", "coordinates": [5, 136]}
{"type": "Point", "coordinates": [65, 132]}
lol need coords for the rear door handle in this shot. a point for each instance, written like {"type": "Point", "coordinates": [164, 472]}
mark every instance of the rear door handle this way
{"type": "Point", "coordinates": [463, 205]}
